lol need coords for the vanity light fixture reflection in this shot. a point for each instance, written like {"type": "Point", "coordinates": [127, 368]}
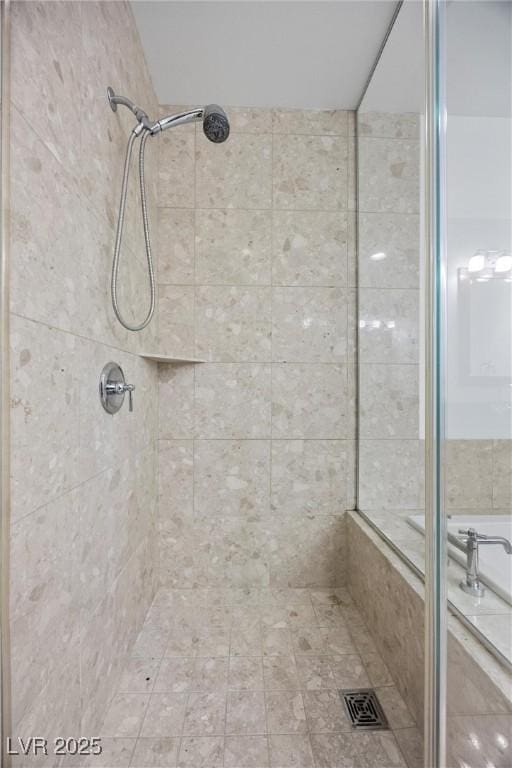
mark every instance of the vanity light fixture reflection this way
{"type": "Point", "coordinates": [378, 256]}
{"type": "Point", "coordinates": [389, 324]}
{"type": "Point", "coordinates": [487, 265]}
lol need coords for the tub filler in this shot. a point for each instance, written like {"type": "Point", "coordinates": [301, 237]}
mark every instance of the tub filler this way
{"type": "Point", "coordinates": [495, 565]}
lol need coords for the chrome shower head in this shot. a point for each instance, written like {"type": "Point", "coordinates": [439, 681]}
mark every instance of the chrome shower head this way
{"type": "Point", "coordinates": [215, 120]}
{"type": "Point", "coordinates": [215, 123]}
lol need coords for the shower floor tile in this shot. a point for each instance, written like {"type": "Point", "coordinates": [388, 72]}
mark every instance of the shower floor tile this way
{"type": "Point", "coordinates": [249, 679]}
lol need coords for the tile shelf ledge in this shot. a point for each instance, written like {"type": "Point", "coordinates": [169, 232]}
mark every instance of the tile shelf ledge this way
{"type": "Point", "coordinates": [161, 358]}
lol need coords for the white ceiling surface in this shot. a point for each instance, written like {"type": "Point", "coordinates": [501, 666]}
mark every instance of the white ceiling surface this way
{"type": "Point", "coordinates": [478, 61]}
{"type": "Point", "coordinates": [310, 55]}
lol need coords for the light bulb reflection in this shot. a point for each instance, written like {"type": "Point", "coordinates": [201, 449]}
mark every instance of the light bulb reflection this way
{"type": "Point", "coordinates": [379, 256]}
{"type": "Point", "coordinates": [476, 262]}
{"type": "Point", "coordinates": [501, 741]}
{"type": "Point", "coordinates": [503, 264]}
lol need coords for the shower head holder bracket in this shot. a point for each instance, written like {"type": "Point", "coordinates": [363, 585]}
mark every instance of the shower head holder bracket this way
{"type": "Point", "coordinates": [111, 99]}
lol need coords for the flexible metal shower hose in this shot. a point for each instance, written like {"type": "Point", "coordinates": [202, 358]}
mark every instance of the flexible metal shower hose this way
{"type": "Point", "coordinates": [119, 233]}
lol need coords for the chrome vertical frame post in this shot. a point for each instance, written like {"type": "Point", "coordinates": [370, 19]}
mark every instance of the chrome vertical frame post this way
{"type": "Point", "coordinates": [435, 522]}
{"type": "Point", "coordinates": [5, 98]}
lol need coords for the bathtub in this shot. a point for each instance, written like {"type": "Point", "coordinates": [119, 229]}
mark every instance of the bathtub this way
{"type": "Point", "coordinates": [495, 565]}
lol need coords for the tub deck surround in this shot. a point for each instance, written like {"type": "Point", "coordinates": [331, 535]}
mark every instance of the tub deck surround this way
{"type": "Point", "coordinates": [491, 615]}
{"type": "Point", "coordinates": [258, 442]}
{"type": "Point", "coordinates": [250, 677]}
{"type": "Point", "coordinates": [390, 598]}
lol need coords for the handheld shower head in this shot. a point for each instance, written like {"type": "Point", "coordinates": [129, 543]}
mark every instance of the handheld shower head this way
{"type": "Point", "coordinates": [215, 123]}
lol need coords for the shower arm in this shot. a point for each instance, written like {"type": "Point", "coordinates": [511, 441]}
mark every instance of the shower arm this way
{"type": "Point", "coordinates": [143, 120]}
{"type": "Point", "coordinates": [180, 119]}
{"type": "Point", "coordinates": [139, 113]}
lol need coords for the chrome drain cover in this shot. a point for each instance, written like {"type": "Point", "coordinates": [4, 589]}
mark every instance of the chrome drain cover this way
{"type": "Point", "coordinates": [364, 710]}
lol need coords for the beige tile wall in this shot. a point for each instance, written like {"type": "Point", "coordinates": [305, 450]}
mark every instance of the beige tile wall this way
{"type": "Point", "coordinates": [256, 254]}
{"type": "Point", "coordinates": [391, 453]}
{"type": "Point", "coordinates": [83, 483]}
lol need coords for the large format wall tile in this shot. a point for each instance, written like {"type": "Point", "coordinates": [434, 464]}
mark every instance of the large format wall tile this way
{"type": "Point", "coordinates": [175, 245]}
{"type": "Point", "coordinates": [184, 548]}
{"type": "Point", "coordinates": [388, 125]}
{"type": "Point", "coordinates": [389, 401]}
{"type": "Point", "coordinates": [232, 401]}
{"type": "Point", "coordinates": [393, 475]}
{"type": "Point", "coordinates": [45, 37]}
{"type": "Point", "coordinates": [307, 550]}
{"type": "Point", "coordinates": [176, 170]}
{"type": "Point", "coordinates": [44, 414]}
{"type": "Point", "coordinates": [236, 174]}
{"type": "Point", "coordinates": [104, 536]}
{"type": "Point", "coordinates": [388, 326]}
{"type": "Point", "coordinates": [233, 247]}
{"type": "Point", "coordinates": [502, 474]}
{"type": "Point", "coordinates": [310, 476]}
{"type": "Point", "coordinates": [249, 120]}
{"type": "Point", "coordinates": [176, 320]}
{"type": "Point", "coordinates": [309, 325]}
{"type": "Point", "coordinates": [176, 401]}
{"type": "Point", "coordinates": [45, 599]}
{"type": "Point", "coordinates": [175, 479]}
{"type": "Point", "coordinates": [47, 234]}
{"type": "Point", "coordinates": [389, 172]}
{"type": "Point", "coordinates": [56, 710]}
{"type": "Point", "coordinates": [233, 323]}
{"type": "Point", "coordinates": [238, 552]}
{"type": "Point", "coordinates": [310, 401]}
{"type": "Point", "coordinates": [389, 250]}
{"type": "Point", "coordinates": [310, 248]}
{"type": "Point", "coordinates": [231, 477]}
{"type": "Point", "coordinates": [310, 172]}
{"type": "Point", "coordinates": [469, 474]}
{"type": "Point", "coordinates": [321, 122]}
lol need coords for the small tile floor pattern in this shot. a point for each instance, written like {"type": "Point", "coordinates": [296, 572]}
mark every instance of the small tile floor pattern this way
{"type": "Point", "coordinates": [250, 679]}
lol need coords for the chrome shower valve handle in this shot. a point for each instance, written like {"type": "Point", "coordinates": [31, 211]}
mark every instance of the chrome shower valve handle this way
{"type": "Point", "coordinates": [119, 388]}
{"type": "Point", "coordinates": [113, 388]}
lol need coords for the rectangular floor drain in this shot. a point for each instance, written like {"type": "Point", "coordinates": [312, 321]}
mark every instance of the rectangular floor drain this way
{"type": "Point", "coordinates": [364, 710]}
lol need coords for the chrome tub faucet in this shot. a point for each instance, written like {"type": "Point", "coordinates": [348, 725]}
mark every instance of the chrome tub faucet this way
{"type": "Point", "coordinates": [470, 544]}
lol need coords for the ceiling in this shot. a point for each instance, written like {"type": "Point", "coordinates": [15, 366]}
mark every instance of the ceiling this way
{"type": "Point", "coordinates": [311, 55]}
{"type": "Point", "coordinates": [478, 62]}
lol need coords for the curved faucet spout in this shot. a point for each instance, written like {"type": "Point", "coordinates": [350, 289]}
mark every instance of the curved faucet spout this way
{"type": "Point", "coordinates": [505, 543]}
{"type": "Point", "coordinates": [481, 538]}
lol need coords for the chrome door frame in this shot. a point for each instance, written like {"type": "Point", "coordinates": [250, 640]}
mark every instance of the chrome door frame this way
{"type": "Point", "coordinates": [436, 607]}
{"type": "Point", "coordinates": [5, 678]}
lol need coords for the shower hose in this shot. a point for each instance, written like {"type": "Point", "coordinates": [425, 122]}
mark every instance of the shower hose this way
{"type": "Point", "coordinates": [120, 226]}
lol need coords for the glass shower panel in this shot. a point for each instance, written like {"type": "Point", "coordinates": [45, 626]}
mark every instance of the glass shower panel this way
{"type": "Point", "coordinates": [478, 365]}
{"type": "Point", "coordinates": [476, 349]}
{"type": "Point", "coordinates": [390, 299]}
